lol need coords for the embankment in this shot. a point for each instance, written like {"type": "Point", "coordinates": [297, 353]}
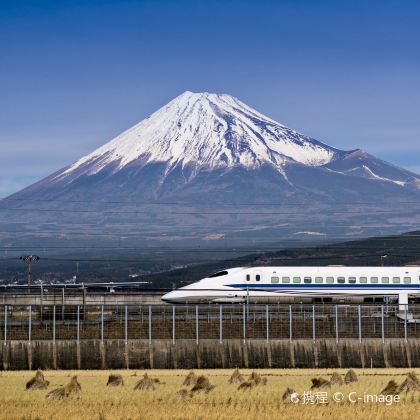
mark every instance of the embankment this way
{"type": "Point", "coordinates": [187, 354]}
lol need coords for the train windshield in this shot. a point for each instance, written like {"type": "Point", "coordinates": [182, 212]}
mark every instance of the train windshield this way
{"type": "Point", "coordinates": [218, 274]}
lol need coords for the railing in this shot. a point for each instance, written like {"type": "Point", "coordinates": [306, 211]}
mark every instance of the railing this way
{"type": "Point", "coordinates": [201, 322]}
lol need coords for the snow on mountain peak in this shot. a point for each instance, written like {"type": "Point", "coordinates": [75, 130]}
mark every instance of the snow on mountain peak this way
{"type": "Point", "coordinates": [206, 130]}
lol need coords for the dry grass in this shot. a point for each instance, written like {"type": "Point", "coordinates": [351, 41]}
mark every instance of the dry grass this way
{"type": "Point", "coordinates": [183, 393]}
{"type": "Point", "coordinates": [167, 401]}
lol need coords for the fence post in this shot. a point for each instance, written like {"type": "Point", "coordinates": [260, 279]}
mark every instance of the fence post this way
{"type": "Point", "coordinates": [244, 321]}
{"type": "Point", "coordinates": [62, 304]}
{"type": "Point", "coordinates": [102, 324]}
{"type": "Point", "coordinates": [360, 323]}
{"type": "Point", "coordinates": [126, 325]}
{"type": "Point", "coordinates": [336, 324]}
{"type": "Point", "coordinates": [267, 317]}
{"type": "Point", "coordinates": [78, 323]}
{"type": "Point", "coordinates": [150, 324]}
{"type": "Point", "coordinates": [54, 323]}
{"type": "Point", "coordinates": [247, 302]}
{"type": "Point", "coordinates": [405, 321]}
{"type": "Point", "coordinates": [290, 323]}
{"type": "Point", "coordinates": [196, 324]}
{"type": "Point", "coordinates": [30, 325]}
{"type": "Point", "coordinates": [221, 324]}
{"type": "Point", "coordinates": [173, 324]}
{"type": "Point", "coordinates": [382, 324]}
{"type": "Point", "coordinates": [5, 324]}
{"type": "Point", "coordinates": [313, 324]}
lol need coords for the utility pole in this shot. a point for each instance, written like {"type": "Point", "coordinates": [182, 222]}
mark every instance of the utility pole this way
{"type": "Point", "coordinates": [29, 259]}
{"type": "Point", "coordinates": [382, 259]}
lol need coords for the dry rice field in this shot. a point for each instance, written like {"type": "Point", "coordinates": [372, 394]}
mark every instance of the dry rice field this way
{"type": "Point", "coordinates": [224, 401]}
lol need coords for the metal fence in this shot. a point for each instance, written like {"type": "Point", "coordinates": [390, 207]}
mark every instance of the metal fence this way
{"type": "Point", "coordinates": [201, 322]}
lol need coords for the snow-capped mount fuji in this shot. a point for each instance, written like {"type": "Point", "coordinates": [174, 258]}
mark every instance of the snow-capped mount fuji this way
{"type": "Point", "coordinates": [188, 147]}
{"type": "Point", "coordinates": [214, 150]}
{"type": "Point", "coordinates": [205, 130]}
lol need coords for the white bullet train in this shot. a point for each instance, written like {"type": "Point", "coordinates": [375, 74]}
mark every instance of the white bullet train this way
{"type": "Point", "coordinates": [300, 284]}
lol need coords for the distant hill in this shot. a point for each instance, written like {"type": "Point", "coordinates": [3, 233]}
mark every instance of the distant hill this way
{"type": "Point", "coordinates": [159, 266]}
{"type": "Point", "coordinates": [398, 249]}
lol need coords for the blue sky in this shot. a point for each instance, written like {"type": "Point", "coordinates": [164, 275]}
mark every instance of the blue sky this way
{"type": "Point", "coordinates": [73, 74]}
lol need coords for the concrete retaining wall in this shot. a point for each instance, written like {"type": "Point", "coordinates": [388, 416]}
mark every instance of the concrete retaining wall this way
{"type": "Point", "coordinates": [187, 354]}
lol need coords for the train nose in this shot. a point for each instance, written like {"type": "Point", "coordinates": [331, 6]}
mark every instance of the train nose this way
{"type": "Point", "coordinates": [170, 297]}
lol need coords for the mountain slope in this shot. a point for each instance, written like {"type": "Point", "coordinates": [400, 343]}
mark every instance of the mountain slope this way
{"type": "Point", "coordinates": [207, 130]}
{"type": "Point", "coordinates": [204, 132]}
{"type": "Point", "coordinates": [213, 150]}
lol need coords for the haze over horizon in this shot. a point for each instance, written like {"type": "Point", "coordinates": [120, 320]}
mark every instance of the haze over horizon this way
{"type": "Point", "coordinates": [75, 74]}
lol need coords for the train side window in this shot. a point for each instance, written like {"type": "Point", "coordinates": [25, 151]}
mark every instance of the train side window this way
{"type": "Point", "coordinates": [363, 280]}
{"type": "Point", "coordinates": [257, 277]}
{"type": "Point", "coordinates": [296, 279]}
{"type": "Point", "coordinates": [395, 279]}
{"type": "Point", "coordinates": [341, 280]}
{"type": "Point", "coordinates": [274, 279]}
{"type": "Point", "coordinates": [352, 280]}
{"type": "Point", "coordinates": [385, 280]}
{"type": "Point", "coordinates": [307, 280]}
{"type": "Point", "coordinates": [407, 280]}
{"type": "Point", "coordinates": [319, 280]}
{"type": "Point", "coordinates": [330, 280]}
{"type": "Point", "coordinates": [374, 279]}
{"type": "Point", "coordinates": [285, 279]}
{"type": "Point", "coordinates": [248, 277]}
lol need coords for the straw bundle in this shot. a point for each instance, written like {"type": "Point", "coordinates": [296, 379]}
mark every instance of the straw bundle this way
{"type": "Point", "coordinates": [190, 379]}
{"type": "Point", "coordinates": [236, 377]}
{"type": "Point", "coordinates": [115, 380]}
{"type": "Point", "coordinates": [390, 389]}
{"type": "Point", "coordinates": [203, 384]}
{"type": "Point", "coordinates": [145, 384]}
{"type": "Point", "coordinates": [336, 379]}
{"type": "Point", "coordinates": [350, 377]}
{"type": "Point", "coordinates": [37, 382]}
{"type": "Point", "coordinates": [320, 383]}
{"type": "Point", "coordinates": [73, 387]}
